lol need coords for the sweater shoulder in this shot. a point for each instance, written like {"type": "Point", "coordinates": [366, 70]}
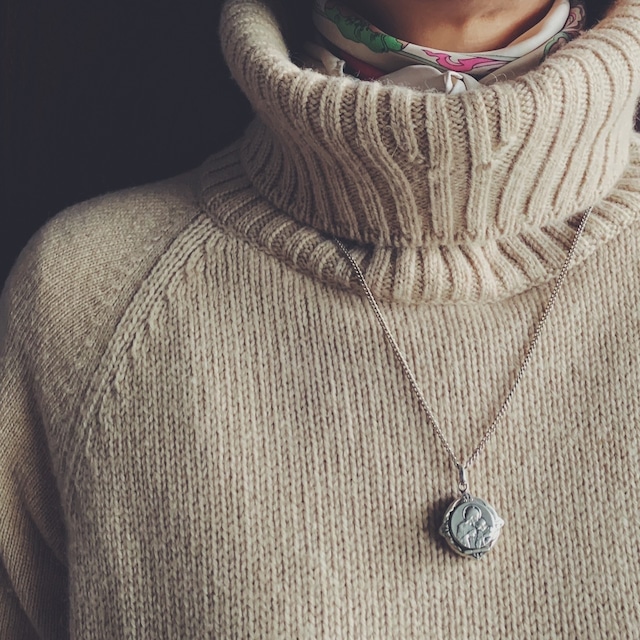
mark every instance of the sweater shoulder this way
{"type": "Point", "coordinates": [80, 272]}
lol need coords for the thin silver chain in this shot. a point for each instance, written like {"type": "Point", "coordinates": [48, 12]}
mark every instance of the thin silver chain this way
{"type": "Point", "coordinates": [463, 466]}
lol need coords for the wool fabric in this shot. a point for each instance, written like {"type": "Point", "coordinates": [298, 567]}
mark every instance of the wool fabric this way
{"type": "Point", "coordinates": [204, 433]}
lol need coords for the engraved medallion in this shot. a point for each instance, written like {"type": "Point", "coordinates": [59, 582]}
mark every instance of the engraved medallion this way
{"type": "Point", "coordinates": [471, 526]}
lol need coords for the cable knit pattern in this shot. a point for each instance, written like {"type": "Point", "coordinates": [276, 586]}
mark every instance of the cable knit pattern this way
{"type": "Point", "coordinates": [205, 435]}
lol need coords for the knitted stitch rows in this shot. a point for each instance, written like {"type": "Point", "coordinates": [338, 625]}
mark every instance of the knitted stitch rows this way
{"type": "Point", "coordinates": [441, 183]}
{"type": "Point", "coordinates": [204, 434]}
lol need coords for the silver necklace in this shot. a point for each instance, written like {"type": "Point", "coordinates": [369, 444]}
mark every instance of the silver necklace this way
{"type": "Point", "coordinates": [471, 526]}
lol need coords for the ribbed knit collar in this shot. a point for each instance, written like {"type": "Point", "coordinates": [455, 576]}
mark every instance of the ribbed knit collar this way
{"type": "Point", "coordinates": [443, 198]}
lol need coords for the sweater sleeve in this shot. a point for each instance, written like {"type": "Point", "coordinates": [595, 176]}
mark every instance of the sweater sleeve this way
{"type": "Point", "coordinates": [33, 576]}
{"type": "Point", "coordinates": [61, 305]}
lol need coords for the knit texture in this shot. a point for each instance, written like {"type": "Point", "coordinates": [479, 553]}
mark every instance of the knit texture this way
{"type": "Point", "coordinates": [466, 183]}
{"type": "Point", "coordinates": [205, 434]}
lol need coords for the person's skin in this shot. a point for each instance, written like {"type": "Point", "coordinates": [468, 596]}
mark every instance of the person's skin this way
{"type": "Point", "coordinates": [454, 25]}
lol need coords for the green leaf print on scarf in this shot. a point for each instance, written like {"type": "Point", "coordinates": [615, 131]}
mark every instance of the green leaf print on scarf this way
{"type": "Point", "coordinates": [359, 30]}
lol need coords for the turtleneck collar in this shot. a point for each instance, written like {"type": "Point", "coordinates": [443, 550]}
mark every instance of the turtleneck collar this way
{"type": "Point", "coordinates": [427, 186]}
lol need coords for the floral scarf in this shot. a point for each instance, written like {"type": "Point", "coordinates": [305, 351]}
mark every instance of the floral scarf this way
{"type": "Point", "coordinates": [370, 54]}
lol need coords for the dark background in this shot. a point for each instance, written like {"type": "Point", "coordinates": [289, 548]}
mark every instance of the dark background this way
{"type": "Point", "coordinates": [100, 96]}
{"type": "Point", "coordinates": [97, 96]}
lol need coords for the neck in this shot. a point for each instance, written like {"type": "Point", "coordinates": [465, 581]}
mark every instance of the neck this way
{"type": "Point", "coordinates": [455, 25]}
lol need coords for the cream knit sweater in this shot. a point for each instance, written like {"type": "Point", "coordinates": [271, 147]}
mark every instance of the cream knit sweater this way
{"type": "Point", "coordinates": [204, 434]}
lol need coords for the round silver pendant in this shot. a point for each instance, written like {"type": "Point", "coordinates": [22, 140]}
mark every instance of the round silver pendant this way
{"type": "Point", "coordinates": [471, 526]}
